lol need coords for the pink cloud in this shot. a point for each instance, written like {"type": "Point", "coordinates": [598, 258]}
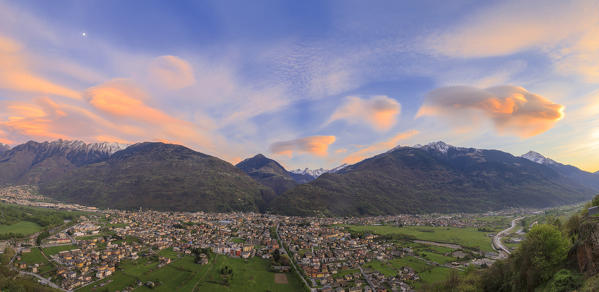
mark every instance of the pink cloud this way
{"type": "Point", "coordinates": [379, 112]}
{"type": "Point", "coordinates": [511, 109]}
{"type": "Point", "coordinates": [315, 145]}
{"type": "Point", "coordinates": [376, 148]}
{"type": "Point", "coordinates": [171, 72]}
{"type": "Point", "coordinates": [15, 74]}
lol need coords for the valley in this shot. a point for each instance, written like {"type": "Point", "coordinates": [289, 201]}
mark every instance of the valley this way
{"type": "Point", "coordinates": [141, 250]}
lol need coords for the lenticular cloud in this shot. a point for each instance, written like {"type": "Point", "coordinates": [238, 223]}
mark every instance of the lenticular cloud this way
{"type": "Point", "coordinates": [511, 109]}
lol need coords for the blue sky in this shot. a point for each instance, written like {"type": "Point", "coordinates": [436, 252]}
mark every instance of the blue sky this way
{"type": "Point", "coordinates": [309, 83]}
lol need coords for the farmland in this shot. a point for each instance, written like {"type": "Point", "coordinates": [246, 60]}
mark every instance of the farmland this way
{"type": "Point", "coordinates": [185, 275]}
{"type": "Point", "coordinates": [22, 227]}
{"type": "Point", "coordinates": [466, 237]}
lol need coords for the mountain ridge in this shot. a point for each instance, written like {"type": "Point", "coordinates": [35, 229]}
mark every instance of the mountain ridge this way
{"type": "Point", "coordinates": [268, 172]}
{"type": "Point", "coordinates": [161, 176]}
{"type": "Point", "coordinates": [433, 178]}
{"type": "Point", "coordinates": [436, 177]}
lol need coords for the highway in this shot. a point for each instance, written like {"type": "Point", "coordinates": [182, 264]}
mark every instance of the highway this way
{"type": "Point", "coordinates": [497, 244]}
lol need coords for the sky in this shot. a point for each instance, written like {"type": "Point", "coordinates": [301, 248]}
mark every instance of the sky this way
{"type": "Point", "coordinates": [308, 83]}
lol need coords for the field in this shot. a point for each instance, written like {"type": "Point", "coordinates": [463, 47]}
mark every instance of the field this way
{"type": "Point", "coordinates": [56, 249]}
{"type": "Point", "coordinates": [185, 275]}
{"type": "Point", "coordinates": [22, 227]}
{"type": "Point", "coordinates": [429, 274]}
{"type": "Point", "coordinates": [36, 257]}
{"type": "Point", "coordinates": [466, 237]}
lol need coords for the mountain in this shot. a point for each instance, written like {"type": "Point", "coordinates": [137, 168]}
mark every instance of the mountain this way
{"type": "Point", "coordinates": [311, 172]}
{"type": "Point", "coordinates": [590, 180]}
{"type": "Point", "coordinates": [268, 172]}
{"type": "Point", "coordinates": [34, 162]}
{"type": "Point", "coordinates": [538, 158]}
{"type": "Point", "coordinates": [162, 177]}
{"type": "Point", "coordinates": [4, 148]}
{"type": "Point", "coordinates": [433, 178]}
{"type": "Point", "coordinates": [314, 173]}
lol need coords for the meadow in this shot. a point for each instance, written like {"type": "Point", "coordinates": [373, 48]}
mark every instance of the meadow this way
{"type": "Point", "coordinates": [56, 249]}
{"type": "Point", "coordinates": [465, 237]}
{"type": "Point", "coordinates": [428, 274]}
{"type": "Point", "coordinates": [185, 275]}
{"type": "Point", "coordinates": [35, 256]}
{"type": "Point", "coordinates": [22, 227]}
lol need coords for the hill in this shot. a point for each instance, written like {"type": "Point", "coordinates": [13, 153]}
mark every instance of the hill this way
{"type": "Point", "coordinates": [432, 178]}
{"type": "Point", "coordinates": [161, 177]}
{"type": "Point", "coordinates": [268, 172]}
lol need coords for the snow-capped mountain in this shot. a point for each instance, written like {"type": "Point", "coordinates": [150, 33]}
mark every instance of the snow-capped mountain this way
{"type": "Point", "coordinates": [538, 158]}
{"type": "Point", "coordinates": [80, 146]}
{"type": "Point", "coordinates": [438, 146]}
{"type": "Point", "coordinates": [311, 172]}
{"type": "Point", "coordinates": [338, 168]}
{"type": "Point", "coordinates": [4, 147]}
{"type": "Point", "coordinates": [318, 172]}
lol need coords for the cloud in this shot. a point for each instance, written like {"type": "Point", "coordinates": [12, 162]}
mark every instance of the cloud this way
{"type": "Point", "coordinates": [315, 145]}
{"type": "Point", "coordinates": [379, 111]}
{"type": "Point", "coordinates": [123, 101]}
{"type": "Point", "coordinates": [513, 26]}
{"type": "Point", "coordinates": [566, 31]}
{"type": "Point", "coordinates": [511, 109]}
{"type": "Point", "coordinates": [378, 147]}
{"type": "Point", "coordinates": [171, 72]}
{"type": "Point", "coordinates": [15, 74]}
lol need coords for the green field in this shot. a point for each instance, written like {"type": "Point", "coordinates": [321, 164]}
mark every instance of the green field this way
{"type": "Point", "coordinates": [428, 274]}
{"type": "Point", "coordinates": [496, 223]}
{"type": "Point", "coordinates": [36, 257]}
{"type": "Point", "coordinates": [56, 249]}
{"type": "Point", "coordinates": [22, 227]}
{"type": "Point", "coordinates": [466, 237]}
{"type": "Point", "coordinates": [33, 257]}
{"type": "Point", "coordinates": [185, 275]}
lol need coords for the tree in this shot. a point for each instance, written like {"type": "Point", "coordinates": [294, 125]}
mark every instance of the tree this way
{"type": "Point", "coordinates": [595, 201]}
{"type": "Point", "coordinates": [541, 254]}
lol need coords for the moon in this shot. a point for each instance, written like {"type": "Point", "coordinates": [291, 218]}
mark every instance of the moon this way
{"type": "Point", "coordinates": [83, 34]}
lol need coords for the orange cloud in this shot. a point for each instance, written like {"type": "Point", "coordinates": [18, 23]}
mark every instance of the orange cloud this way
{"type": "Point", "coordinates": [567, 31]}
{"type": "Point", "coordinates": [118, 113]}
{"type": "Point", "coordinates": [378, 147]}
{"type": "Point", "coordinates": [16, 76]}
{"type": "Point", "coordinates": [379, 112]}
{"type": "Point", "coordinates": [315, 145]}
{"type": "Point", "coordinates": [125, 102]}
{"type": "Point", "coordinates": [511, 109]}
{"type": "Point", "coordinates": [171, 72]}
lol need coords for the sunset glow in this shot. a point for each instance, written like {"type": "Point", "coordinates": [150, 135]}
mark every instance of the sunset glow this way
{"type": "Point", "coordinates": [315, 84]}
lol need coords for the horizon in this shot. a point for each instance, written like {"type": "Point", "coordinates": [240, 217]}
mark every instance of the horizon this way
{"type": "Point", "coordinates": [286, 167]}
{"type": "Point", "coordinates": [311, 84]}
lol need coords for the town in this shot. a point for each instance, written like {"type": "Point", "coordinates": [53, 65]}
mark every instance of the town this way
{"type": "Point", "coordinates": [326, 254]}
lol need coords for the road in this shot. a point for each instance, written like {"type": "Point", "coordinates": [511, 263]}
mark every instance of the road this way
{"type": "Point", "coordinates": [367, 278]}
{"type": "Point", "coordinates": [497, 244]}
{"type": "Point", "coordinates": [292, 260]}
{"type": "Point", "coordinates": [43, 280]}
